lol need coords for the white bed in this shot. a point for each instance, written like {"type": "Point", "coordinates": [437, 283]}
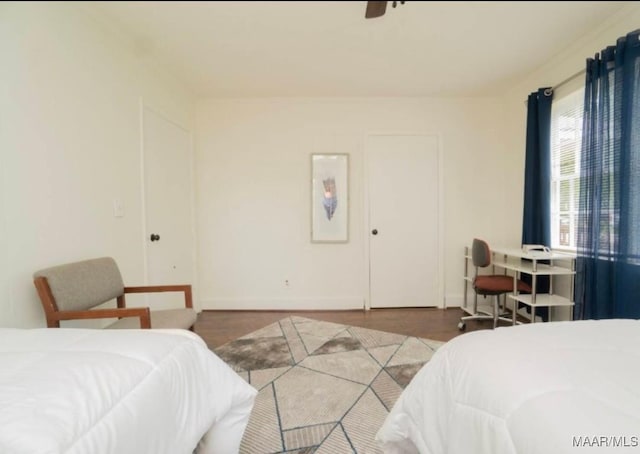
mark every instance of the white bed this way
{"type": "Point", "coordinates": [117, 391]}
{"type": "Point", "coordinates": [536, 388]}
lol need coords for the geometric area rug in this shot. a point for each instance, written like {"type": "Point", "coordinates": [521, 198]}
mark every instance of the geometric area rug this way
{"type": "Point", "coordinates": [322, 387]}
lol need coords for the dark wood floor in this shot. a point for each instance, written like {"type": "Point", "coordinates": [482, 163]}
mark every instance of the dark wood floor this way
{"type": "Point", "coordinates": [220, 327]}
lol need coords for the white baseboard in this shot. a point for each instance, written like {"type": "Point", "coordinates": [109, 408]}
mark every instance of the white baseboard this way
{"type": "Point", "coordinates": [295, 304]}
{"type": "Point", "coordinates": [280, 304]}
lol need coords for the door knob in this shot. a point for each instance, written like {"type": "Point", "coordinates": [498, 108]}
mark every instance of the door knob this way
{"type": "Point", "coordinates": [155, 237]}
{"type": "Point", "coordinates": [374, 231]}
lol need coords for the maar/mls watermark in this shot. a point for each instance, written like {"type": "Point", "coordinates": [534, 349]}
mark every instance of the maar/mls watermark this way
{"type": "Point", "coordinates": [606, 441]}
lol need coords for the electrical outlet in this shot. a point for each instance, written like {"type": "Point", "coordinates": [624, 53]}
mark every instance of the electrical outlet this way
{"type": "Point", "coordinates": [286, 282]}
{"type": "Point", "coordinates": [118, 208]}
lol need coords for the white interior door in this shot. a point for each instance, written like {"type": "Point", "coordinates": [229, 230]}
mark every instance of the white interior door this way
{"type": "Point", "coordinates": [403, 199]}
{"type": "Point", "coordinates": [167, 179]}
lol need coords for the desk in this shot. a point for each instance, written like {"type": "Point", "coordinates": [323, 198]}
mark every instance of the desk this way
{"type": "Point", "coordinates": [526, 262]}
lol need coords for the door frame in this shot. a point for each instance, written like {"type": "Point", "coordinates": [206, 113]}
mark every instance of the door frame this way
{"type": "Point", "coordinates": [143, 198]}
{"type": "Point", "coordinates": [441, 303]}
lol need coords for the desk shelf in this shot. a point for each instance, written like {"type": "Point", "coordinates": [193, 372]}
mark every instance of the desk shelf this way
{"type": "Point", "coordinates": [527, 268]}
{"type": "Point", "coordinates": [543, 300]}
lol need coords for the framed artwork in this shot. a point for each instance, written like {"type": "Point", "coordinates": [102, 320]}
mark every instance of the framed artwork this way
{"type": "Point", "coordinates": [329, 198]}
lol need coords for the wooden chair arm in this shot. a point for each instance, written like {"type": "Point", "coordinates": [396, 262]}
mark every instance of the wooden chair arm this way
{"type": "Point", "coordinates": [188, 299]}
{"type": "Point", "coordinates": [142, 312]}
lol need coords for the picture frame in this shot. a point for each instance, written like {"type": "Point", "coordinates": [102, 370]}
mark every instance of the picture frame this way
{"type": "Point", "coordinates": [330, 198]}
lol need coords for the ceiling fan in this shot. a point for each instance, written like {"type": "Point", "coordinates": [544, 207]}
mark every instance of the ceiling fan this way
{"type": "Point", "coordinates": [377, 9]}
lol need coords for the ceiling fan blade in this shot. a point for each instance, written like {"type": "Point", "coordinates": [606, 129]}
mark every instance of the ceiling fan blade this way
{"type": "Point", "coordinates": [375, 9]}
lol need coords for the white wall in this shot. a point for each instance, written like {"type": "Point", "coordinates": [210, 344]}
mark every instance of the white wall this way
{"type": "Point", "coordinates": [253, 183]}
{"type": "Point", "coordinates": [253, 170]}
{"type": "Point", "coordinates": [70, 143]}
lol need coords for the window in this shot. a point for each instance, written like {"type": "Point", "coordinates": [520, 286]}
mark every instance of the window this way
{"type": "Point", "coordinates": [566, 141]}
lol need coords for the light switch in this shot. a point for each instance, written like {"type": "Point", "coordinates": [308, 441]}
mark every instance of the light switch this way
{"type": "Point", "coordinates": [118, 208]}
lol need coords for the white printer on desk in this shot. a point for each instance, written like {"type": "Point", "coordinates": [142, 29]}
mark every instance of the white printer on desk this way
{"type": "Point", "coordinates": [535, 248]}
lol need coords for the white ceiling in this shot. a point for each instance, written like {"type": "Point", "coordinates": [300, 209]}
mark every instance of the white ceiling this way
{"type": "Point", "coordinates": [248, 49]}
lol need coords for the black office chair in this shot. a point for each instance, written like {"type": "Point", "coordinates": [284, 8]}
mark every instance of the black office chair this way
{"type": "Point", "coordinates": [495, 284]}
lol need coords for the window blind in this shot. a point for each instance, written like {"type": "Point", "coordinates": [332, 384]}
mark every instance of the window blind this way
{"type": "Point", "coordinates": [566, 141]}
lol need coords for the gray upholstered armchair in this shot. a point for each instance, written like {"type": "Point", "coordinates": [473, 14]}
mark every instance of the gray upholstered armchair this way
{"type": "Point", "coordinates": [71, 291]}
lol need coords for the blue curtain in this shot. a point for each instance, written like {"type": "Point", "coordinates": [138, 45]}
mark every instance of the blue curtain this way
{"type": "Point", "coordinates": [536, 218]}
{"type": "Point", "coordinates": [536, 224]}
{"type": "Point", "coordinates": [608, 231]}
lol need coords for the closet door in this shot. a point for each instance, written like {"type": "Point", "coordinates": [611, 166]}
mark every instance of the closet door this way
{"type": "Point", "coordinates": [168, 202]}
{"type": "Point", "coordinates": [403, 207]}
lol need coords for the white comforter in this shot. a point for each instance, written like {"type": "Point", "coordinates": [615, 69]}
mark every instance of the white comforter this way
{"type": "Point", "coordinates": [537, 388]}
{"type": "Point", "coordinates": [121, 391]}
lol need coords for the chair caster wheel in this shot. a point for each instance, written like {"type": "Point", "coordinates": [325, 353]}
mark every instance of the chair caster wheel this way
{"type": "Point", "coordinates": [462, 326]}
